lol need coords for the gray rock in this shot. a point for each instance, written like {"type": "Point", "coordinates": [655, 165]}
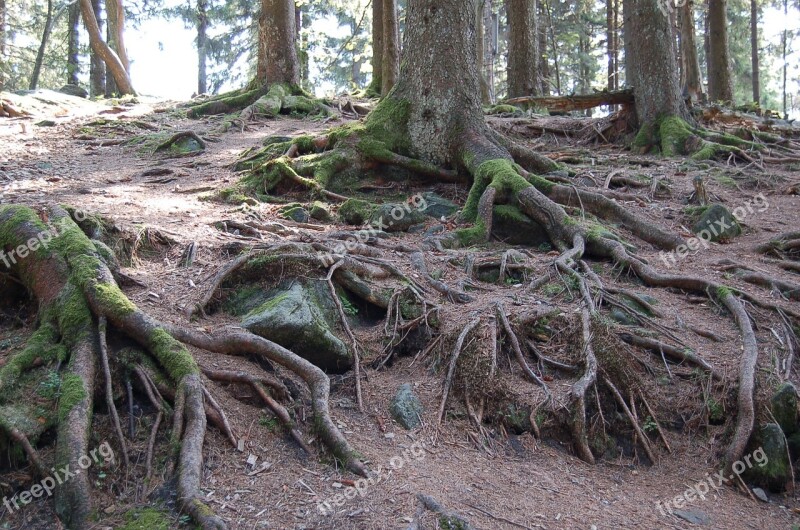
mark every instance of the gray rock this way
{"type": "Point", "coordinates": [693, 516]}
{"type": "Point", "coordinates": [355, 211]}
{"type": "Point", "coordinates": [406, 407]}
{"type": "Point", "coordinates": [74, 90]}
{"type": "Point", "coordinates": [320, 212]}
{"type": "Point", "coordinates": [392, 217]}
{"type": "Point", "coordinates": [296, 213]}
{"type": "Point", "coordinates": [623, 317]}
{"type": "Point", "coordinates": [301, 317]}
{"type": "Point", "coordinates": [776, 471]}
{"type": "Point", "coordinates": [717, 223]}
{"type": "Point", "coordinates": [760, 494]}
{"type": "Point", "coordinates": [437, 206]}
{"type": "Point", "coordinates": [784, 408]}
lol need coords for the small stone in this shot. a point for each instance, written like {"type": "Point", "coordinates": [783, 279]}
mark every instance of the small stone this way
{"type": "Point", "coordinates": [406, 407]}
{"type": "Point", "coordinates": [438, 207]}
{"type": "Point", "coordinates": [389, 435]}
{"type": "Point", "coordinates": [693, 516]}
{"type": "Point", "coordinates": [251, 460]}
{"type": "Point", "coordinates": [717, 223]}
{"type": "Point", "coordinates": [760, 494]}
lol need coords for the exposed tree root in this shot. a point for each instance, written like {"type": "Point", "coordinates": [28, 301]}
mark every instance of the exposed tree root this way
{"type": "Point", "coordinates": [81, 303]}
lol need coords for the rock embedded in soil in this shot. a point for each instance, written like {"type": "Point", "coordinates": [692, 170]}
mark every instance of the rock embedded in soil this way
{"type": "Point", "coordinates": [392, 217]}
{"type": "Point", "coordinates": [776, 471]}
{"type": "Point", "coordinates": [406, 407]}
{"type": "Point", "coordinates": [301, 316]}
{"type": "Point", "coordinates": [437, 206]}
{"type": "Point", "coordinates": [320, 212]}
{"type": "Point", "coordinates": [783, 405]}
{"type": "Point", "coordinates": [717, 223]}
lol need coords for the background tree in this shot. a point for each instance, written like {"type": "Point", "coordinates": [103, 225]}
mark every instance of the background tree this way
{"type": "Point", "coordinates": [97, 68]}
{"type": "Point", "coordinates": [109, 57]}
{"type": "Point", "coordinates": [756, 77]}
{"type": "Point", "coordinates": [720, 84]}
{"type": "Point", "coordinates": [73, 43]}
{"type": "Point", "coordinates": [48, 27]}
{"type": "Point", "coordinates": [391, 46]}
{"type": "Point", "coordinates": [523, 49]}
{"type": "Point", "coordinates": [691, 76]}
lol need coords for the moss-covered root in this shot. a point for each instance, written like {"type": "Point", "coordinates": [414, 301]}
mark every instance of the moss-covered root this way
{"type": "Point", "coordinates": [226, 103]}
{"type": "Point", "coordinates": [284, 99]}
{"type": "Point", "coordinates": [319, 168]}
{"type": "Point", "coordinates": [69, 278]}
{"type": "Point", "coordinates": [676, 137]}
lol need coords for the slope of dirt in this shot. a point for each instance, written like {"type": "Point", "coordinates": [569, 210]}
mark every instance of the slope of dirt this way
{"type": "Point", "coordinates": [516, 482]}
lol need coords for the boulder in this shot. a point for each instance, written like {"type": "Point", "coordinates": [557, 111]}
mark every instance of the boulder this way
{"type": "Point", "coordinates": [355, 211]}
{"type": "Point", "coordinates": [717, 223]}
{"type": "Point", "coordinates": [783, 405]}
{"type": "Point", "coordinates": [302, 317]}
{"type": "Point", "coordinates": [393, 217]}
{"type": "Point", "coordinates": [74, 90]}
{"type": "Point", "coordinates": [437, 206]}
{"type": "Point", "coordinates": [295, 212]}
{"type": "Point", "coordinates": [406, 407]}
{"type": "Point", "coordinates": [320, 212]}
{"type": "Point", "coordinates": [776, 471]}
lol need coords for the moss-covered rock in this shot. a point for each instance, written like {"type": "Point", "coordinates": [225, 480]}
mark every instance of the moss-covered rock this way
{"type": "Point", "coordinates": [356, 211]}
{"type": "Point", "coordinates": [768, 446]}
{"type": "Point", "coordinates": [717, 223]}
{"type": "Point", "coordinates": [302, 317]}
{"type": "Point", "coordinates": [320, 212]}
{"type": "Point", "coordinates": [392, 217]}
{"type": "Point", "coordinates": [406, 407]}
{"type": "Point", "coordinates": [437, 206]}
{"type": "Point", "coordinates": [783, 405]}
{"type": "Point", "coordinates": [295, 212]}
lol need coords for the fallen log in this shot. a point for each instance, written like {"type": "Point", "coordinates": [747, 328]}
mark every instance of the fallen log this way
{"type": "Point", "coordinates": [576, 101]}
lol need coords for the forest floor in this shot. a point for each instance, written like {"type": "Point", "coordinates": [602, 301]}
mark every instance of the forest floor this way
{"type": "Point", "coordinates": [521, 482]}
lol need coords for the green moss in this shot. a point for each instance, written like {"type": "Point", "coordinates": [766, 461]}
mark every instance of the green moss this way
{"type": "Point", "coordinates": [502, 109]}
{"type": "Point", "coordinates": [510, 213]}
{"type": "Point", "coordinates": [147, 519]}
{"type": "Point", "coordinates": [388, 123]}
{"type": "Point", "coordinates": [356, 211]}
{"type": "Point", "coordinates": [73, 314]}
{"type": "Point", "coordinates": [41, 345]}
{"type": "Point", "coordinates": [723, 292]}
{"type": "Point", "coordinates": [499, 174]}
{"type": "Point", "coordinates": [474, 235]}
{"type": "Point", "coordinates": [645, 137]}
{"type": "Point", "coordinates": [173, 355]}
{"type": "Point", "coordinates": [673, 132]}
{"type": "Point", "coordinates": [72, 393]}
{"type": "Point", "coordinates": [270, 304]}
{"type": "Point", "coordinates": [113, 301]}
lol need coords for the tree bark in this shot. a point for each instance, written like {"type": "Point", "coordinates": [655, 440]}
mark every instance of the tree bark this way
{"type": "Point", "coordinates": [115, 19]}
{"type": "Point", "coordinates": [720, 84]}
{"type": "Point", "coordinates": [202, 41]}
{"type": "Point", "coordinates": [282, 65]}
{"type": "Point", "coordinates": [261, 63]}
{"type": "Point", "coordinates": [754, 51]}
{"type": "Point", "coordinates": [785, 46]}
{"type": "Point", "coordinates": [2, 43]}
{"type": "Point", "coordinates": [376, 85]}
{"type": "Point", "coordinates": [523, 49]}
{"type": "Point", "coordinates": [690, 65]}
{"type": "Point", "coordinates": [97, 66]}
{"type": "Point", "coordinates": [102, 50]}
{"type": "Point", "coordinates": [489, 47]}
{"type": "Point", "coordinates": [37, 65]}
{"type": "Point", "coordinates": [651, 67]}
{"type": "Point", "coordinates": [391, 46]}
{"type": "Point", "coordinates": [544, 64]}
{"type": "Point", "coordinates": [73, 44]}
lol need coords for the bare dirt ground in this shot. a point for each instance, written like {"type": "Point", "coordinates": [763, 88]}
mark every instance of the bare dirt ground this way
{"type": "Point", "coordinates": [521, 482]}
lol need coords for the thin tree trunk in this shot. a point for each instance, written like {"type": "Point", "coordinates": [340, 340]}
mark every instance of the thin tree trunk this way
{"type": "Point", "coordinates": [73, 44]}
{"type": "Point", "coordinates": [391, 46]}
{"type": "Point", "coordinates": [110, 58]}
{"type": "Point", "coordinates": [281, 54]}
{"type": "Point", "coordinates": [720, 84]}
{"type": "Point", "coordinates": [480, 33]}
{"type": "Point", "coordinates": [489, 47]}
{"type": "Point", "coordinates": [544, 64]}
{"type": "Point", "coordinates": [754, 52]}
{"type": "Point", "coordinates": [97, 67]}
{"type": "Point", "coordinates": [690, 64]}
{"type": "Point", "coordinates": [651, 66]}
{"type": "Point", "coordinates": [261, 63]}
{"type": "Point", "coordinates": [376, 85]}
{"type": "Point", "coordinates": [111, 86]}
{"type": "Point", "coordinates": [37, 65]}
{"type": "Point", "coordinates": [202, 27]}
{"type": "Point", "coordinates": [617, 81]}
{"type": "Point", "coordinates": [115, 20]}
{"type": "Point", "coordinates": [2, 43]}
{"type": "Point", "coordinates": [553, 46]}
{"type": "Point", "coordinates": [523, 49]}
{"type": "Point", "coordinates": [610, 30]}
{"type": "Point", "coordinates": [785, 46]}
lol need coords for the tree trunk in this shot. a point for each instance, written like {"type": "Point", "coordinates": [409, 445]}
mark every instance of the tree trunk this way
{"type": "Point", "coordinates": [391, 46]}
{"type": "Point", "coordinates": [37, 65]}
{"type": "Point", "coordinates": [754, 51]}
{"type": "Point", "coordinates": [97, 66]}
{"type": "Point", "coordinates": [610, 31]}
{"type": "Point", "coordinates": [100, 48]}
{"type": "Point", "coordinates": [261, 64]}
{"type": "Point", "coordinates": [544, 64]}
{"type": "Point", "coordinates": [523, 49]}
{"type": "Point", "coordinates": [720, 84]}
{"type": "Point", "coordinates": [202, 27]}
{"type": "Point", "coordinates": [376, 85]}
{"type": "Point", "coordinates": [73, 44]}
{"type": "Point", "coordinates": [282, 65]}
{"type": "Point", "coordinates": [111, 86]}
{"type": "Point", "coordinates": [480, 29]}
{"type": "Point", "coordinates": [2, 43]}
{"type": "Point", "coordinates": [115, 19]}
{"type": "Point", "coordinates": [651, 68]}
{"type": "Point", "coordinates": [690, 65]}
{"type": "Point", "coordinates": [553, 47]}
{"type": "Point", "coordinates": [489, 47]}
{"type": "Point", "coordinates": [785, 46]}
